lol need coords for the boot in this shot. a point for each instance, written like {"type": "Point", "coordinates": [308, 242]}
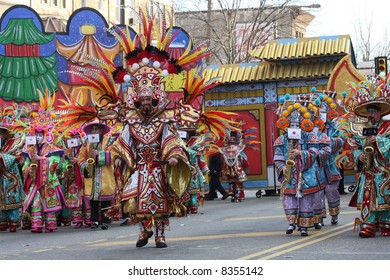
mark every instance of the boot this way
{"type": "Point", "coordinates": [66, 221]}
{"type": "Point", "coordinates": [51, 222]}
{"type": "Point", "coordinates": [334, 220]}
{"type": "Point", "coordinates": [36, 222]}
{"type": "Point", "coordinates": [318, 226]}
{"type": "Point", "coordinates": [3, 225]}
{"type": "Point", "coordinates": [160, 237]}
{"type": "Point", "coordinates": [13, 225]}
{"type": "Point", "coordinates": [290, 229]}
{"type": "Point", "coordinates": [304, 231]}
{"type": "Point", "coordinates": [87, 220]}
{"type": "Point", "coordinates": [367, 230]}
{"type": "Point", "coordinates": [385, 228]}
{"type": "Point", "coordinates": [160, 242]}
{"type": "Point", "coordinates": [143, 238]}
{"type": "Point", "coordinates": [26, 223]}
{"type": "Point", "coordinates": [194, 210]}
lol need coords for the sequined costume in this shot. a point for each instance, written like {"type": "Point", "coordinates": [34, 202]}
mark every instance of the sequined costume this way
{"type": "Point", "coordinates": [44, 192]}
{"type": "Point", "coordinates": [369, 145]}
{"type": "Point", "coordinates": [11, 183]}
{"type": "Point", "coordinates": [234, 167]}
{"type": "Point", "coordinates": [299, 174]}
{"type": "Point", "coordinates": [199, 169]}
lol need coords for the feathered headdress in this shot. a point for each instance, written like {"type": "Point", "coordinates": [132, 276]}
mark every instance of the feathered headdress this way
{"type": "Point", "coordinates": [238, 135]}
{"type": "Point", "coordinates": [328, 103]}
{"type": "Point", "coordinates": [14, 118]}
{"type": "Point", "coordinates": [45, 118]}
{"type": "Point", "coordinates": [302, 109]}
{"type": "Point", "coordinates": [374, 93]}
{"type": "Point", "coordinates": [152, 44]}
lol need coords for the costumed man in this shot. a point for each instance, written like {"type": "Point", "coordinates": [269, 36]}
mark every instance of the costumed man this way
{"type": "Point", "coordinates": [74, 180]}
{"type": "Point", "coordinates": [97, 165]}
{"type": "Point", "coordinates": [199, 168]}
{"type": "Point", "coordinates": [11, 184]}
{"type": "Point", "coordinates": [326, 124]}
{"type": "Point", "coordinates": [156, 171]}
{"type": "Point", "coordinates": [42, 158]}
{"type": "Point", "coordinates": [296, 160]}
{"type": "Point", "coordinates": [156, 156]}
{"type": "Point", "coordinates": [234, 165]}
{"type": "Point", "coordinates": [369, 146]}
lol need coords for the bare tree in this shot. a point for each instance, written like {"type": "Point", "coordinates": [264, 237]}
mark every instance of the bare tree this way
{"type": "Point", "coordinates": [233, 29]}
{"type": "Point", "coordinates": [367, 49]}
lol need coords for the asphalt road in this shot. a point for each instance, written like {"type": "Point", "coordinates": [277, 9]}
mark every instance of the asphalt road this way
{"type": "Point", "coordinates": [251, 230]}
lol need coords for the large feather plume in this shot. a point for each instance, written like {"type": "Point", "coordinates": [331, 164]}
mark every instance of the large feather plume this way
{"type": "Point", "coordinates": [216, 122]}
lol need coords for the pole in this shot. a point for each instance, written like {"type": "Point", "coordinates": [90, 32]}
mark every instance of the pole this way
{"type": "Point", "coordinates": [122, 12]}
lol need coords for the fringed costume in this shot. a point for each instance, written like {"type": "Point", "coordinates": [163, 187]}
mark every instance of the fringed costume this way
{"type": "Point", "coordinates": [298, 154]}
{"type": "Point", "coordinates": [369, 145]}
{"type": "Point", "coordinates": [11, 183]}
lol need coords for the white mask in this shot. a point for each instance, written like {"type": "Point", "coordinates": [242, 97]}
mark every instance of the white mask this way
{"type": "Point", "coordinates": [40, 138]}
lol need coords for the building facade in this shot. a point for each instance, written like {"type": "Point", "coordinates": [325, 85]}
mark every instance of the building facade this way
{"type": "Point", "coordinates": [55, 13]}
{"type": "Point", "coordinates": [291, 66]}
{"type": "Point", "coordinates": [232, 33]}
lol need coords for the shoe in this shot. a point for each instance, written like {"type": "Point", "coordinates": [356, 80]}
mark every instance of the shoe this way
{"type": "Point", "coordinates": [94, 225]}
{"type": "Point", "coordinates": [304, 232]}
{"type": "Point", "coordinates": [290, 229]}
{"type": "Point", "coordinates": [160, 242]}
{"type": "Point", "coordinates": [318, 226]}
{"type": "Point", "coordinates": [224, 196]}
{"type": "Point", "coordinates": [215, 195]}
{"type": "Point", "coordinates": [209, 198]}
{"type": "Point", "coordinates": [366, 234]}
{"type": "Point", "coordinates": [78, 225]}
{"type": "Point", "coordinates": [334, 221]}
{"type": "Point", "coordinates": [143, 238]}
{"type": "Point", "coordinates": [104, 226]}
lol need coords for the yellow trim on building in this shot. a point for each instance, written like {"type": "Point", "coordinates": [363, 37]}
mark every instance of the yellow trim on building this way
{"type": "Point", "coordinates": [303, 47]}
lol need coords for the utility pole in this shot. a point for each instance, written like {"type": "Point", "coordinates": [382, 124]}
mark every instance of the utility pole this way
{"type": "Point", "coordinates": [208, 30]}
{"type": "Point", "coordinates": [122, 12]}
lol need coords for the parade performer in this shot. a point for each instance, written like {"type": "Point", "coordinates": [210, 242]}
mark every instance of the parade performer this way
{"type": "Point", "coordinates": [97, 164]}
{"type": "Point", "coordinates": [234, 160]}
{"type": "Point", "coordinates": [327, 124]}
{"type": "Point", "coordinates": [11, 184]}
{"type": "Point", "coordinates": [369, 146]}
{"type": "Point", "coordinates": [199, 168]}
{"type": "Point", "coordinates": [74, 180]}
{"type": "Point", "coordinates": [296, 159]}
{"type": "Point", "coordinates": [157, 170]}
{"type": "Point", "coordinates": [234, 165]}
{"type": "Point", "coordinates": [160, 169]}
{"type": "Point", "coordinates": [42, 158]}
